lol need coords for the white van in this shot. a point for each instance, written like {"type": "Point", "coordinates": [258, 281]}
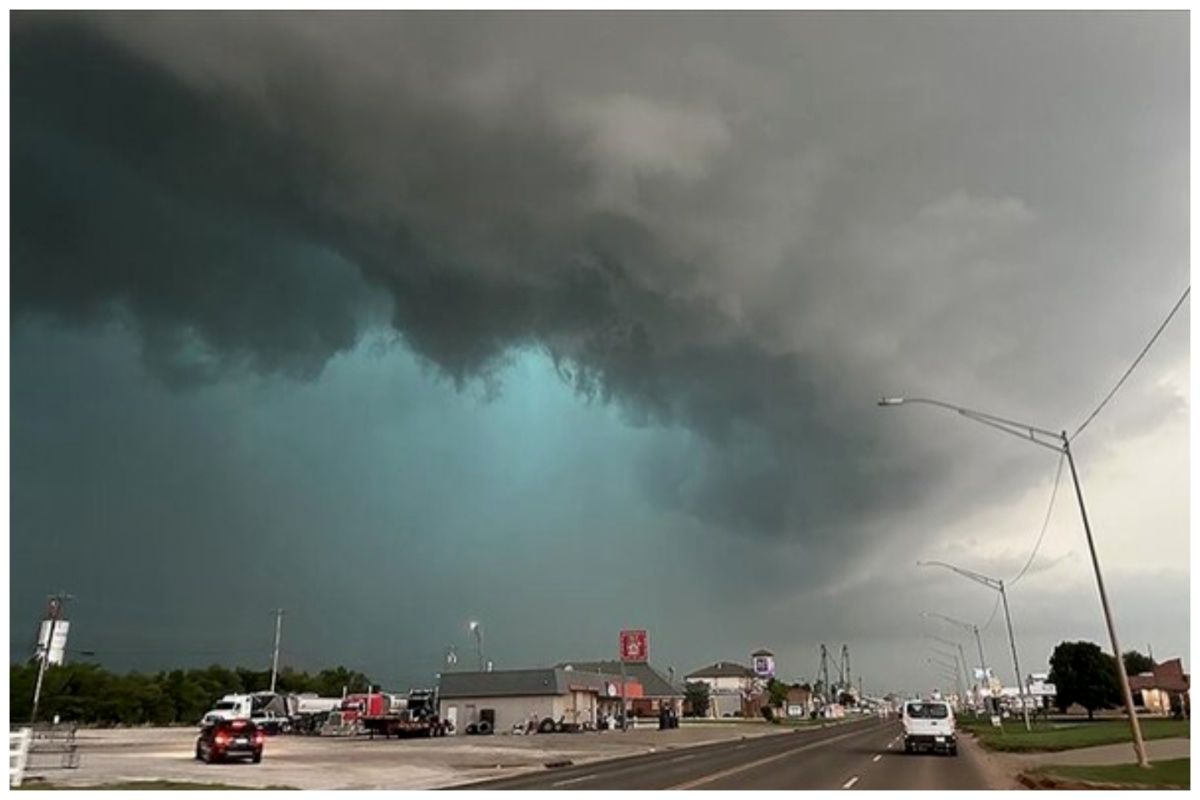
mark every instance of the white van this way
{"type": "Point", "coordinates": [929, 725]}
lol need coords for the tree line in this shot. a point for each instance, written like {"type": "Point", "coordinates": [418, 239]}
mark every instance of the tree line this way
{"type": "Point", "coordinates": [91, 695]}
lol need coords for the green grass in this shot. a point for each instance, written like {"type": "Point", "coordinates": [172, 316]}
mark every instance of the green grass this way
{"type": "Point", "coordinates": [146, 785]}
{"type": "Point", "coordinates": [1171, 774]}
{"type": "Point", "coordinates": [1049, 737]}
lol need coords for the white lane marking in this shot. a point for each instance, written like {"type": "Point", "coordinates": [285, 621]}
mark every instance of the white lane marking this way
{"type": "Point", "coordinates": [850, 783]}
{"type": "Point", "coordinates": [681, 758]}
{"type": "Point", "coordinates": [574, 780]}
{"type": "Point", "coordinates": [889, 745]}
{"type": "Point", "coordinates": [725, 773]}
{"type": "Point", "coordinates": [876, 758]}
{"type": "Point", "coordinates": [739, 747]}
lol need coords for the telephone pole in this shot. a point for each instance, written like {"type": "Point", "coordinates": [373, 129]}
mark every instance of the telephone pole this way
{"type": "Point", "coordinates": [275, 654]}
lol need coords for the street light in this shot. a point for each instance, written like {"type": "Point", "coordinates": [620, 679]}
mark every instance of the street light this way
{"type": "Point", "coordinates": [962, 659]}
{"type": "Point", "coordinates": [951, 671]}
{"type": "Point", "coordinates": [997, 585]}
{"type": "Point", "coordinates": [477, 628]}
{"type": "Point", "coordinates": [978, 643]}
{"type": "Point", "coordinates": [1060, 443]}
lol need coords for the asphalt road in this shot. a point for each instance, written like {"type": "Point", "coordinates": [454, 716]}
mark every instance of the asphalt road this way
{"type": "Point", "coordinates": [863, 754]}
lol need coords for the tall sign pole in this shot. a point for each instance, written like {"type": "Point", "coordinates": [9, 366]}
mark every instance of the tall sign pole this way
{"type": "Point", "coordinates": [54, 612]}
{"type": "Point", "coordinates": [633, 646]}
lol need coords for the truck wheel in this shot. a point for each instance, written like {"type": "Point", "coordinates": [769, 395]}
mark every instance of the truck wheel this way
{"type": "Point", "coordinates": [484, 728]}
{"type": "Point", "coordinates": [546, 726]}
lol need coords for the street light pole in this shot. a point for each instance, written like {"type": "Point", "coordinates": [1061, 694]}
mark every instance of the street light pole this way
{"type": "Point", "coordinates": [951, 669]}
{"type": "Point", "coordinates": [1127, 695]}
{"type": "Point", "coordinates": [996, 585]}
{"type": "Point", "coordinates": [275, 651]}
{"type": "Point", "coordinates": [1060, 443]}
{"type": "Point", "coordinates": [978, 643]}
{"type": "Point", "coordinates": [960, 659]}
{"type": "Point", "coordinates": [477, 629]}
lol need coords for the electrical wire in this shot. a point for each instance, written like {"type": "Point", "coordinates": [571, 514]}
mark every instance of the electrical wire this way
{"type": "Point", "coordinates": [1045, 522]}
{"type": "Point", "coordinates": [1136, 361]}
{"type": "Point", "coordinates": [995, 608]}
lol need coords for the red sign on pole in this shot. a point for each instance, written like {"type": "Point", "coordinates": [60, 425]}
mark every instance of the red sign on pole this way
{"type": "Point", "coordinates": [634, 646]}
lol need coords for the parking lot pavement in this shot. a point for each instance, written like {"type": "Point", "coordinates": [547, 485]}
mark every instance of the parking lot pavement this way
{"type": "Point", "coordinates": [109, 756]}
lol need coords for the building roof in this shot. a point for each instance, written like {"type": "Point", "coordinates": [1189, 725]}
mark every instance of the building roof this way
{"type": "Point", "coordinates": [654, 683]}
{"type": "Point", "coordinates": [1168, 676]}
{"type": "Point", "coordinates": [520, 682]}
{"type": "Point", "coordinates": [722, 669]}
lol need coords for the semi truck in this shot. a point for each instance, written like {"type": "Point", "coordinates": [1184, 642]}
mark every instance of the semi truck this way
{"type": "Point", "coordinates": [413, 716]}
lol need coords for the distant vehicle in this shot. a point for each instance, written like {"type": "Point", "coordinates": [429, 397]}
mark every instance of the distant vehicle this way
{"type": "Point", "coordinates": [224, 739]}
{"type": "Point", "coordinates": [929, 725]}
{"type": "Point", "coordinates": [272, 713]}
{"type": "Point", "coordinates": [231, 706]}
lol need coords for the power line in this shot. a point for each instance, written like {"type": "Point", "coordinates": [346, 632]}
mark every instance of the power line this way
{"type": "Point", "coordinates": [995, 608]}
{"type": "Point", "coordinates": [1136, 361]}
{"type": "Point", "coordinates": [1045, 523]}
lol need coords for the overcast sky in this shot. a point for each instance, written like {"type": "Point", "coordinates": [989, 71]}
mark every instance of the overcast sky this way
{"type": "Point", "coordinates": [575, 322]}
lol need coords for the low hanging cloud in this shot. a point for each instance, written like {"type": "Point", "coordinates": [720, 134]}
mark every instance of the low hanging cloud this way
{"type": "Point", "coordinates": [255, 192]}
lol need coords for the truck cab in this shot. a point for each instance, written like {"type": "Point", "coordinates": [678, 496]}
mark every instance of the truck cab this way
{"type": "Point", "coordinates": [929, 725]}
{"type": "Point", "coordinates": [231, 706]}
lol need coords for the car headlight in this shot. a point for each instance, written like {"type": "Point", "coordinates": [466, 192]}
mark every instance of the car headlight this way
{"type": "Point", "coordinates": [939, 738]}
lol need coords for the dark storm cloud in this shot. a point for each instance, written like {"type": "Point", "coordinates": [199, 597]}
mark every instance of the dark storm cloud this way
{"type": "Point", "coordinates": [746, 235]}
{"type": "Point", "coordinates": [243, 235]}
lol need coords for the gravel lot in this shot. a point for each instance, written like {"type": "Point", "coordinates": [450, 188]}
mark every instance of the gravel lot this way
{"type": "Point", "coordinates": [108, 756]}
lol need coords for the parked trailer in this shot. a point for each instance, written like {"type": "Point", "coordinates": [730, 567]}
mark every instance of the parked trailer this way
{"type": "Point", "coordinates": [402, 726]}
{"type": "Point", "coordinates": [414, 716]}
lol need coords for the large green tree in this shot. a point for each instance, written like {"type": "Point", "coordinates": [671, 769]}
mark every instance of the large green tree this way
{"type": "Point", "coordinates": [1083, 673]}
{"type": "Point", "coordinates": [696, 695]}
{"type": "Point", "coordinates": [1136, 663]}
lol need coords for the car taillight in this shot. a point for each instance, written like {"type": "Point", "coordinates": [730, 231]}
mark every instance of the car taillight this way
{"type": "Point", "coordinates": [258, 737]}
{"type": "Point", "coordinates": [222, 739]}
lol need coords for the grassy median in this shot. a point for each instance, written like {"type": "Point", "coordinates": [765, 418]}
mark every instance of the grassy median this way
{"type": "Point", "coordinates": [1174, 773]}
{"type": "Point", "coordinates": [1049, 737]}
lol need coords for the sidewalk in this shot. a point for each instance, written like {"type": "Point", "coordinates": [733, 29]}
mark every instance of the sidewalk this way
{"type": "Point", "coordinates": [1156, 749]}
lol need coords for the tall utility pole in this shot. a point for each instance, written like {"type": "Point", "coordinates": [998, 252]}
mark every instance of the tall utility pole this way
{"type": "Point", "coordinates": [825, 673]}
{"type": "Point", "coordinates": [56, 607]}
{"type": "Point", "coordinates": [275, 653]}
{"type": "Point", "coordinates": [848, 680]}
{"type": "Point", "coordinates": [1060, 443]}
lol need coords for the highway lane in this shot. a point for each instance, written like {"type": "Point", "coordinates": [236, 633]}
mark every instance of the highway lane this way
{"type": "Point", "coordinates": [861, 754]}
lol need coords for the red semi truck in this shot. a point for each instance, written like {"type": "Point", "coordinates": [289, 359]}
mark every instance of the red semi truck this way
{"type": "Point", "coordinates": [388, 715]}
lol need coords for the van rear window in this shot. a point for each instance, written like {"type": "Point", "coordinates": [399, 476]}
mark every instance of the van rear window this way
{"type": "Point", "coordinates": [928, 710]}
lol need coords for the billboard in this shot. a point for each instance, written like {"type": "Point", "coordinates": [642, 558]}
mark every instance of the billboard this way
{"type": "Point", "coordinates": [634, 646]}
{"type": "Point", "coordinates": [764, 665]}
{"type": "Point", "coordinates": [58, 647]}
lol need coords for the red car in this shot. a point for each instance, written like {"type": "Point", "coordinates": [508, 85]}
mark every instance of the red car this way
{"type": "Point", "coordinates": [223, 739]}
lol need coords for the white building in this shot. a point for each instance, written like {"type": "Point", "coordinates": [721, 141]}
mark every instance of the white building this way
{"type": "Point", "coordinates": [729, 684]}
